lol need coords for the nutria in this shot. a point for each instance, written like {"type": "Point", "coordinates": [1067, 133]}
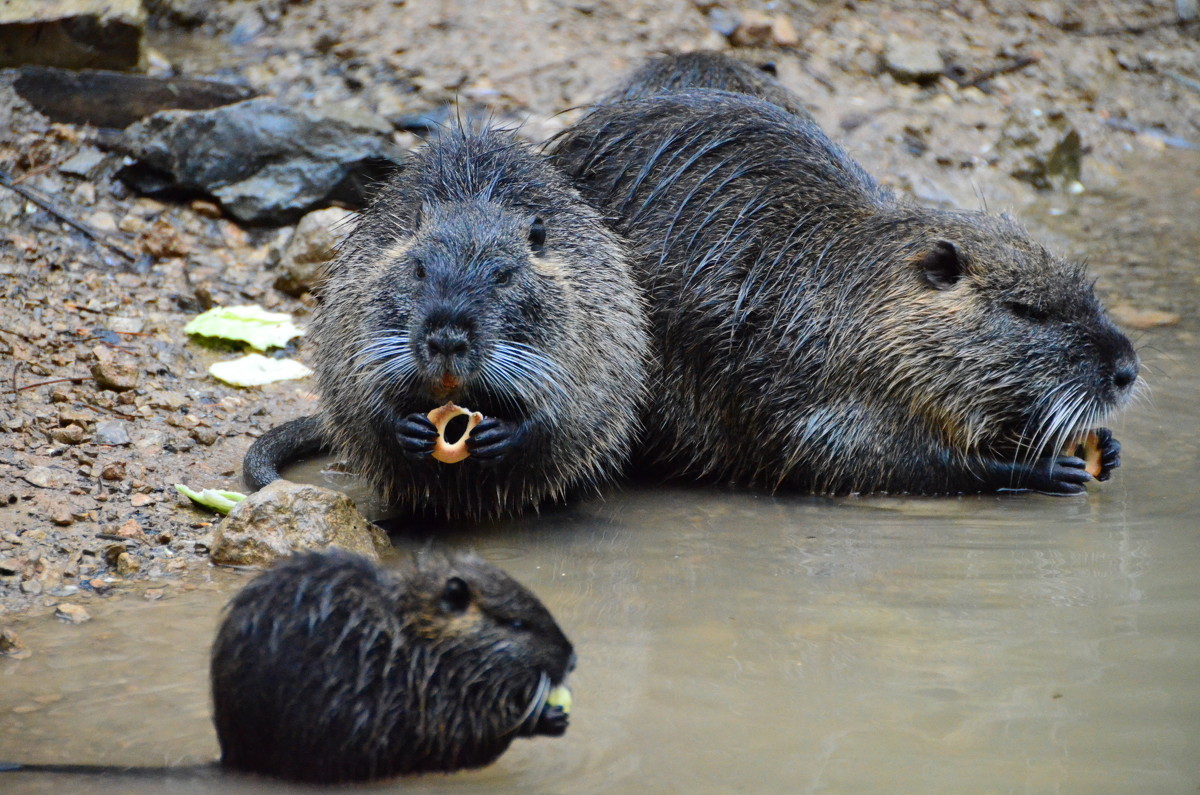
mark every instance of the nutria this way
{"type": "Point", "coordinates": [707, 69]}
{"type": "Point", "coordinates": [816, 332]}
{"type": "Point", "coordinates": [328, 668]}
{"type": "Point", "coordinates": [479, 277]}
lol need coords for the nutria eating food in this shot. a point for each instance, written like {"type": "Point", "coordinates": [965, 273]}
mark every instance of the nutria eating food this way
{"type": "Point", "coordinates": [816, 332]}
{"type": "Point", "coordinates": [478, 277]}
{"type": "Point", "coordinates": [329, 668]}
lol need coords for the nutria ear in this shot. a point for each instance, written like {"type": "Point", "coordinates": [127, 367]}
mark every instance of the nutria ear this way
{"type": "Point", "coordinates": [941, 266]}
{"type": "Point", "coordinates": [456, 596]}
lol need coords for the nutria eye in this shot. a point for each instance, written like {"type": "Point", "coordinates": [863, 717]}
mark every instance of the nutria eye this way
{"type": "Point", "coordinates": [516, 624]}
{"type": "Point", "coordinates": [503, 277]}
{"type": "Point", "coordinates": [1027, 311]}
{"type": "Point", "coordinates": [419, 270]}
{"type": "Point", "coordinates": [941, 267]}
{"type": "Point", "coordinates": [456, 595]}
{"type": "Point", "coordinates": [537, 235]}
{"type": "Point", "coordinates": [770, 68]}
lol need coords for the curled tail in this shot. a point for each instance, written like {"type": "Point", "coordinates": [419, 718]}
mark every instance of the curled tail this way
{"type": "Point", "coordinates": [280, 446]}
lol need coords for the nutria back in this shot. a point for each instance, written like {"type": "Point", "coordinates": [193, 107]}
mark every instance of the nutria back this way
{"type": "Point", "coordinates": [818, 333]}
{"type": "Point", "coordinates": [708, 70]}
{"type": "Point", "coordinates": [329, 668]}
{"type": "Point", "coordinates": [480, 277]}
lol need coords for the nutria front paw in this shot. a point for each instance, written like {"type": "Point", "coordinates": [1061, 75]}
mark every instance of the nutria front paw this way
{"type": "Point", "coordinates": [493, 439]}
{"type": "Point", "coordinates": [1110, 453]}
{"type": "Point", "coordinates": [1061, 476]}
{"type": "Point", "coordinates": [552, 723]}
{"type": "Point", "coordinates": [416, 436]}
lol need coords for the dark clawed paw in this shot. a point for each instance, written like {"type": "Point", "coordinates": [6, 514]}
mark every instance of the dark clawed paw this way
{"type": "Point", "coordinates": [1064, 475]}
{"type": "Point", "coordinates": [1110, 453]}
{"type": "Point", "coordinates": [416, 435]}
{"type": "Point", "coordinates": [493, 439]}
{"type": "Point", "coordinates": [553, 722]}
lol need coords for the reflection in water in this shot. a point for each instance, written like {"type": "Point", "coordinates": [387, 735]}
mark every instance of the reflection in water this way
{"type": "Point", "coordinates": [733, 641]}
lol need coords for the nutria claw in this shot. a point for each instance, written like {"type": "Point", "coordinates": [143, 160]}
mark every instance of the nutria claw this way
{"type": "Point", "coordinates": [1110, 453]}
{"type": "Point", "coordinates": [493, 439]}
{"type": "Point", "coordinates": [416, 435]}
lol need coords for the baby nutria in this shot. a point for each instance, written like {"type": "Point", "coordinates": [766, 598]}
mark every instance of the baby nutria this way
{"type": "Point", "coordinates": [706, 69]}
{"type": "Point", "coordinates": [818, 333]}
{"type": "Point", "coordinates": [478, 277]}
{"type": "Point", "coordinates": [328, 668]}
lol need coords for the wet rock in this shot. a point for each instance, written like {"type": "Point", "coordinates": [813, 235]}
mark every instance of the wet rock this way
{"type": "Point", "coordinates": [74, 34]}
{"type": "Point", "coordinates": [141, 500]}
{"type": "Point", "coordinates": [31, 587]}
{"type": "Point", "coordinates": [312, 245]}
{"type": "Point", "coordinates": [73, 614]}
{"type": "Point", "coordinates": [72, 434]}
{"type": "Point", "coordinates": [1043, 149]}
{"type": "Point", "coordinates": [265, 162]}
{"type": "Point", "coordinates": [912, 61]}
{"type": "Point", "coordinates": [127, 564]}
{"type": "Point", "coordinates": [117, 99]}
{"type": "Point", "coordinates": [286, 517]}
{"type": "Point", "coordinates": [111, 432]}
{"type": "Point", "coordinates": [131, 529]}
{"type": "Point", "coordinates": [11, 645]}
{"type": "Point", "coordinates": [63, 517]}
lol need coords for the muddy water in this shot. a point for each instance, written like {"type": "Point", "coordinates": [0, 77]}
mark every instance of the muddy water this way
{"type": "Point", "coordinates": [740, 642]}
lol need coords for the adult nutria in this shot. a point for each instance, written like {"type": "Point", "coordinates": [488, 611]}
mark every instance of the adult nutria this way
{"type": "Point", "coordinates": [818, 333]}
{"type": "Point", "coordinates": [479, 277]}
{"type": "Point", "coordinates": [328, 668]}
{"type": "Point", "coordinates": [707, 69]}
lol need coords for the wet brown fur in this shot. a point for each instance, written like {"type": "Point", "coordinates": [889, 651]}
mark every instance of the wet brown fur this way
{"type": "Point", "coordinates": [818, 333]}
{"type": "Point", "coordinates": [329, 668]}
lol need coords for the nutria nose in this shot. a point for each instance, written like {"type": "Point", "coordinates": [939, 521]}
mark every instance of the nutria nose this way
{"type": "Point", "coordinates": [1124, 376]}
{"type": "Point", "coordinates": [448, 342]}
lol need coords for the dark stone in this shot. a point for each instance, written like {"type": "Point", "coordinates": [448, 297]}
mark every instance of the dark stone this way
{"type": "Point", "coordinates": [115, 99]}
{"type": "Point", "coordinates": [265, 162]}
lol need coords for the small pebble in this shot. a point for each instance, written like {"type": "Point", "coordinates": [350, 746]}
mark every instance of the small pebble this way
{"type": "Point", "coordinates": [111, 432]}
{"type": "Point", "coordinates": [42, 477]}
{"type": "Point", "coordinates": [141, 500]}
{"type": "Point", "coordinates": [127, 564]}
{"type": "Point", "coordinates": [113, 470]}
{"type": "Point", "coordinates": [74, 614]}
{"type": "Point", "coordinates": [72, 434]}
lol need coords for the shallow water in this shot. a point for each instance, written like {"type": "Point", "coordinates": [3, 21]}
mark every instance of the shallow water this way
{"type": "Point", "coordinates": [740, 642]}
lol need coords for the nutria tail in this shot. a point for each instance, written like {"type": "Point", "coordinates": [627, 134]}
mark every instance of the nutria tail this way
{"type": "Point", "coordinates": [280, 446]}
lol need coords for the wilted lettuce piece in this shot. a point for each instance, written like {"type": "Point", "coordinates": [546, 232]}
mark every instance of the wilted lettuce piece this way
{"type": "Point", "coordinates": [218, 500]}
{"type": "Point", "coordinates": [254, 369]}
{"type": "Point", "coordinates": [251, 324]}
{"type": "Point", "coordinates": [560, 697]}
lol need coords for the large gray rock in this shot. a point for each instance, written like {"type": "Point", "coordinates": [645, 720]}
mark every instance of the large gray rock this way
{"type": "Point", "coordinates": [265, 162]}
{"type": "Point", "coordinates": [286, 517]}
{"type": "Point", "coordinates": [73, 34]}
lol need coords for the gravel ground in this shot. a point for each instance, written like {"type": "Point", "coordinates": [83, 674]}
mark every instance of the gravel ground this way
{"type": "Point", "coordinates": [106, 403]}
